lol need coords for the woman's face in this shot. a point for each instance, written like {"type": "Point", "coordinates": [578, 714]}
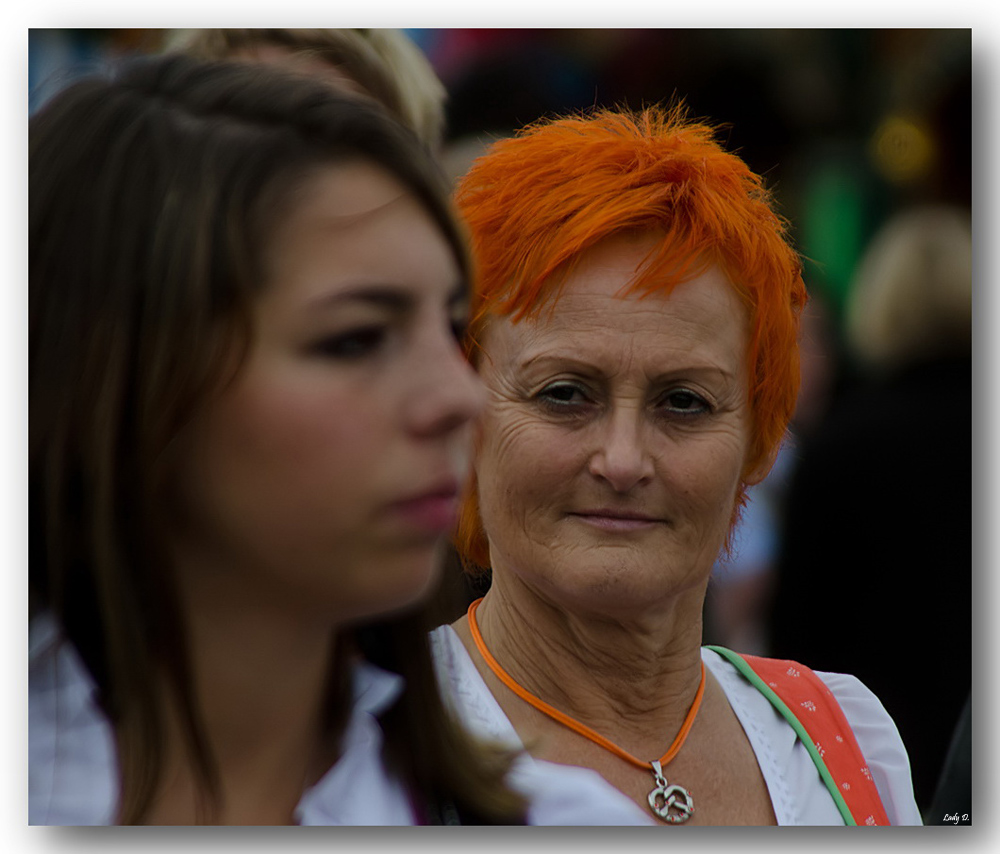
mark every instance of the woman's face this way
{"type": "Point", "coordinates": [326, 474]}
{"type": "Point", "coordinates": [614, 437]}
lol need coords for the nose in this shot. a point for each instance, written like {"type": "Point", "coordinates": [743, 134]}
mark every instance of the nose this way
{"type": "Point", "coordinates": [445, 392]}
{"type": "Point", "coordinates": [621, 458]}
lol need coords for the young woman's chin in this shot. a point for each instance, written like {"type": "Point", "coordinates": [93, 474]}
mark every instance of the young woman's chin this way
{"type": "Point", "coordinates": [398, 581]}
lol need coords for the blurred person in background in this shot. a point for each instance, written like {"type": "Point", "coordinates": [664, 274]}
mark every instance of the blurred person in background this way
{"type": "Point", "coordinates": [635, 321]}
{"type": "Point", "coordinates": [738, 602]}
{"type": "Point", "coordinates": [382, 64]}
{"type": "Point", "coordinates": [249, 422]}
{"type": "Point", "coordinates": [876, 567]}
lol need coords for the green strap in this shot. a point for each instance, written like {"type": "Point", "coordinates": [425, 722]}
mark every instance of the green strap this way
{"type": "Point", "coordinates": [748, 673]}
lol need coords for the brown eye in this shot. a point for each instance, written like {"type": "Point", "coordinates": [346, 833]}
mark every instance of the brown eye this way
{"type": "Point", "coordinates": [685, 402]}
{"type": "Point", "coordinates": [563, 395]}
{"type": "Point", "coordinates": [351, 345]}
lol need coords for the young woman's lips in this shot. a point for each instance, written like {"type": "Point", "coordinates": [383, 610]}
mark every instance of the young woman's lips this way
{"type": "Point", "coordinates": [617, 521]}
{"type": "Point", "coordinates": [434, 511]}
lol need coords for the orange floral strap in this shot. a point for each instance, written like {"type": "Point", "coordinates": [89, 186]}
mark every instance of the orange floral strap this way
{"type": "Point", "coordinates": [810, 708]}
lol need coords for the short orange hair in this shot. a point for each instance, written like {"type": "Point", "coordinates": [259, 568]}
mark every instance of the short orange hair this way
{"type": "Point", "coordinates": [535, 202]}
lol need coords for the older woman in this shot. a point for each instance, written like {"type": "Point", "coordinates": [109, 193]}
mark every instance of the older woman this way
{"type": "Point", "coordinates": [635, 324]}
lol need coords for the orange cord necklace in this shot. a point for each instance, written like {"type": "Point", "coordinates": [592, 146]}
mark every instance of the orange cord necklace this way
{"type": "Point", "coordinates": [670, 802]}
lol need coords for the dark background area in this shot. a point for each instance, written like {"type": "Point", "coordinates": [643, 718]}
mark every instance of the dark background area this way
{"type": "Point", "coordinates": [847, 124]}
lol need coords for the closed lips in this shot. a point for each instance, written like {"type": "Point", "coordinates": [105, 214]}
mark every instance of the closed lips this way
{"type": "Point", "coordinates": [619, 514]}
{"type": "Point", "coordinates": [618, 520]}
{"type": "Point", "coordinates": [434, 510]}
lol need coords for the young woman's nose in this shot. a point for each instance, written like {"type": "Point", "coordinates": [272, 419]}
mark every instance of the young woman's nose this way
{"type": "Point", "coordinates": [444, 390]}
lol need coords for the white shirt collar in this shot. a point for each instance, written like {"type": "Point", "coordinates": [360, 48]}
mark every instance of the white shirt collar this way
{"type": "Point", "coordinates": [73, 773]}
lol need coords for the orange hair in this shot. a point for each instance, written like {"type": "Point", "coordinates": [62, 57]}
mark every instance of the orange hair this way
{"type": "Point", "coordinates": [534, 203]}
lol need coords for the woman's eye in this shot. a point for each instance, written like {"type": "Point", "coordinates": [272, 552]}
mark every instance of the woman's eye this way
{"type": "Point", "coordinates": [354, 344]}
{"type": "Point", "coordinates": [562, 394]}
{"type": "Point", "coordinates": [686, 402]}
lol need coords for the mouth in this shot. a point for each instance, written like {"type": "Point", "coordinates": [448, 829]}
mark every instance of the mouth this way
{"type": "Point", "coordinates": [611, 519]}
{"type": "Point", "coordinates": [434, 509]}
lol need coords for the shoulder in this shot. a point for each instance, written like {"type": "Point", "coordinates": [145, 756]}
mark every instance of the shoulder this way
{"type": "Point", "coordinates": [796, 789]}
{"type": "Point", "coordinates": [880, 742]}
{"type": "Point", "coordinates": [360, 789]}
{"type": "Point", "coordinates": [464, 690]}
{"type": "Point", "coordinates": [72, 768]}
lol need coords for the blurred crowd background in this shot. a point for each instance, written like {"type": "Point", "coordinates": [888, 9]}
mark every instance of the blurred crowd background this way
{"type": "Point", "coordinates": [856, 554]}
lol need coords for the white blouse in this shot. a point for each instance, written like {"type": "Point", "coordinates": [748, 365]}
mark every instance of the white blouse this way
{"type": "Point", "coordinates": [798, 794]}
{"type": "Point", "coordinates": [73, 772]}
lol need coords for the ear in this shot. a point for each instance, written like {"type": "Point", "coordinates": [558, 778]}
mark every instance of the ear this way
{"type": "Point", "coordinates": [763, 469]}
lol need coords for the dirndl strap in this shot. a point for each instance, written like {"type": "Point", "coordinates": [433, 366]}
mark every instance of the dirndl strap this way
{"type": "Point", "coordinates": [804, 700]}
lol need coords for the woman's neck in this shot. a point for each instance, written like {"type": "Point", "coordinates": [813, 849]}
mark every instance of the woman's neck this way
{"type": "Point", "coordinates": [261, 678]}
{"type": "Point", "coordinates": [631, 680]}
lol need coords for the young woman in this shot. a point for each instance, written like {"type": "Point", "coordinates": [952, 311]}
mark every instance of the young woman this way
{"type": "Point", "coordinates": [248, 430]}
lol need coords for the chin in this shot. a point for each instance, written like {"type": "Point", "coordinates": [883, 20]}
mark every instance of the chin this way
{"type": "Point", "coordinates": [618, 589]}
{"type": "Point", "coordinates": [400, 584]}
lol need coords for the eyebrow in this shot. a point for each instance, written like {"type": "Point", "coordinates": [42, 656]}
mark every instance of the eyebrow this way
{"type": "Point", "coordinates": [399, 300]}
{"type": "Point", "coordinates": [575, 362]}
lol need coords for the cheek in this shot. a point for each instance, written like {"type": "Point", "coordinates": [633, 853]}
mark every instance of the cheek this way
{"type": "Point", "coordinates": [281, 454]}
{"type": "Point", "coordinates": [297, 422]}
{"type": "Point", "coordinates": [522, 464]}
{"type": "Point", "coordinates": [706, 474]}
{"type": "Point", "coordinates": [292, 432]}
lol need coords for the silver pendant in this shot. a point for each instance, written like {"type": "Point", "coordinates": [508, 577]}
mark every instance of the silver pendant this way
{"type": "Point", "coordinates": [670, 802]}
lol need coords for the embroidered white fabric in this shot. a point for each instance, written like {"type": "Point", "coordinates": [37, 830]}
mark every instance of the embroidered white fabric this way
{"type": "Point", "coordinates": [560, 795]}
{"type": "Point", "coordinates": [797, 792]}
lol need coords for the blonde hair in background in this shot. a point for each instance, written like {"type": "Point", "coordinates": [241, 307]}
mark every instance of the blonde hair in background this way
{"type": "Point", "coordinates": [386, 63]}
{"type": "Point", "coordinates": [912, 294]}
{"type": "Point", "coordinates": [424, 95]}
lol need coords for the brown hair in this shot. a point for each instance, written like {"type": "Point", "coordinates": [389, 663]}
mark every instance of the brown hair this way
{"type": "Point", "coordinates": [152, 191]}
{"type": "Point", "coordinates": [536, 202]}
{"type": "Point", "coordinates": [383, 62]}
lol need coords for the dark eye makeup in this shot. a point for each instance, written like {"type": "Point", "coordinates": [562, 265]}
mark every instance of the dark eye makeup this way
{"type": "Point", "coordinates": [352, 344]}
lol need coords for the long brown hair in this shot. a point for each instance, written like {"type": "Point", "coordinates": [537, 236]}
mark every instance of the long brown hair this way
{"type": "Point", "coordinates": [151, 192]}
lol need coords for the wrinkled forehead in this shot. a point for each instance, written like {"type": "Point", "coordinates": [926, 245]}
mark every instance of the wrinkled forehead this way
{"type": "Point", "coordinates": [624, 283]}
{"type": "Point", "coordinates": [597, 321]}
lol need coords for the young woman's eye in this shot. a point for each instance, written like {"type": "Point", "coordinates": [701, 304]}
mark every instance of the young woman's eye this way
{"type": "Point", "coordinates": [685, 402]}
{"type": "Point", "coordinates": [354, 344]}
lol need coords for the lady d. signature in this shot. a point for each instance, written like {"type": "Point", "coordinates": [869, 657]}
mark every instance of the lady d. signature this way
{"type": "Point", "coordinates": [954, 816]}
